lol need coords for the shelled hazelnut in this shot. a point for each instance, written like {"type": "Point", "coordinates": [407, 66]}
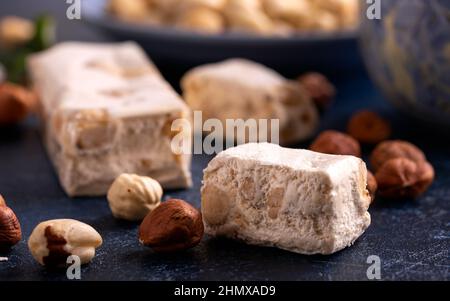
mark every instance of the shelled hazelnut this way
{"type": "Point", "coordinates": [336, 143]}
{"type": "Point", "coordinates": [173, 226]}
{"type": "Point", "coordinates": [320, 89]}
{"type": "Point", "coordinates": [16, 103]}
{"type": "Point", "coordinates": [15, 31]}
{"type": "Point", "coordinates": [403, 178]}
{"type": "Point", "coordinates": [53, 241]}
{"type": "Point", "coordinates": [2, 74]}
{"type": "Point", "coordinates": [402, 170]}
{"type": "Point", "coordinates": [132, 197]}
{"type": "Point", "coordinates": [10, 231]}
{"type": "Point", "coordinates": [369, 127]}
{"type": "Point", "coordinates": [372, 185]}
{"type": "Point", "coordinates": [202, 19]}
{"type": "Point", "coordinates": [392, 149]}
{"type": "Point", "coordinates": [134, 10]}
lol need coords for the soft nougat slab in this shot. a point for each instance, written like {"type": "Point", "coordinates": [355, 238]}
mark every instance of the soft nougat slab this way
{"type": "Point", "coordinates": [107, 110]}
{"type": "Point", "coordinates": [242, 89]}
{"type": "Point", "coordinates": [295, 200]}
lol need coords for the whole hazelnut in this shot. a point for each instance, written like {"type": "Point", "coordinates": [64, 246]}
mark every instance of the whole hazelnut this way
{"type": "Point", "coordinates": [202, 19]}
{"type": "Point", "coordinates": [132, 197]}
{"type": "Point", "coordinates": [51, 242]}
{"type": "Point", "coordinates": [319, 88]}
{"type": "Point", "coordinates": [215, 205]}
{"type": "Point", "coordinates": [369, 127]}
{"type": "Point", "coordinates": [395, 149]}
{"type": "Point", "coordinates": [404, 178]}
{"type": "Point", "coordinates": [372, 185]}
{"type": "Point", "coordinates": [15, 31]}
{"type": "Point", "coordinates": [172, 226]}
{"type": "Point", "coordinates": [129, 10]}
{"type": "Point", "coordinates": [336, 143]}
{"type": "Point", "coordinates": [2, 73]}
{"type": "Point", "coordinates": [10, 231]}
{"type": "Point", "coordinates": [15, 103]}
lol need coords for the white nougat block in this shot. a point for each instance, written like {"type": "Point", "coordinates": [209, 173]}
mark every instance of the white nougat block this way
{"type": "Point", "coordinates": [296, 200]}
{"type": "Point", "coordinates": [242, 89]}
{"type": "Point", "coordinates": [106, 110]}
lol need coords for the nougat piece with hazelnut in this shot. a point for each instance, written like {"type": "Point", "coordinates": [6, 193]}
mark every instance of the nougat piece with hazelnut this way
{"type": "Point", "coordinates": [242, 89]}
{"type": "Point", "coordinates": [296, 200]}
{"type": "Point", "coordinates": [106, 110]}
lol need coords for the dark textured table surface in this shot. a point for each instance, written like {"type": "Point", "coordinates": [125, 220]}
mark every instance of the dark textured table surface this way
{"type": "Point", "coordinates": [412, 238]}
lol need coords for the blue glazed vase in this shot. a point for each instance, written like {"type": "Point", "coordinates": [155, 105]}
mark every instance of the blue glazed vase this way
{"type": "Point", "coordinates": [407, 53]}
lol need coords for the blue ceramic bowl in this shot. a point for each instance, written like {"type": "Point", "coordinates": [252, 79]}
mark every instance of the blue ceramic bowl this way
{"type": "Point", "coordinates": [318, 51]}
{"type": "Point", "coordinates": [407, 53]}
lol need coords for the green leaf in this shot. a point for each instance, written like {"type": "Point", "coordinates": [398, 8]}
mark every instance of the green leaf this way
{"type": "Point", "coordinates": [45, 33]}
{"type": "Point", "coordinates": [15, 60]}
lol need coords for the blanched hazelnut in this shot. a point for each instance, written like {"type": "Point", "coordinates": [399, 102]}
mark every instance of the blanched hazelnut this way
{"type": "Point", "coordinates": [90, 131]}
{"type": "Point", "coordinates": [323, 20]}
{"type": "Point", "coordinates": [215, 205]}
{"type": "Point", "coordinates": [132, 197]}
{"type": "Point", "coordinates": [51, 242]}
{"type": "Point", "coordinates": [15, 31]}
{"type": "Point", "coordinates": [202, 19]}
{"type": "Point", "coordinates": [129, 9]}
{"type": "Point", "coordinates": [249, 16]}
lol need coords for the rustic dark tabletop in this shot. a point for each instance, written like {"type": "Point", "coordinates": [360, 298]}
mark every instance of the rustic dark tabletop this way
{"type": "Point", "coordinates": [412, 238]}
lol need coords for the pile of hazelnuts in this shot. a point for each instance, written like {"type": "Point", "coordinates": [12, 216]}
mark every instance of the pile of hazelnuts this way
{"type": "Point", "coordinates": [400, 169]}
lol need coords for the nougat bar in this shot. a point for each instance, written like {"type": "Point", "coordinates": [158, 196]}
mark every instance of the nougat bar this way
{"type": "Point", "coordinates": [296, 200]}
{"type": "Point", "coordinates": [242, 89]}
{"type": "Point", "coordinates": [106, 110]}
